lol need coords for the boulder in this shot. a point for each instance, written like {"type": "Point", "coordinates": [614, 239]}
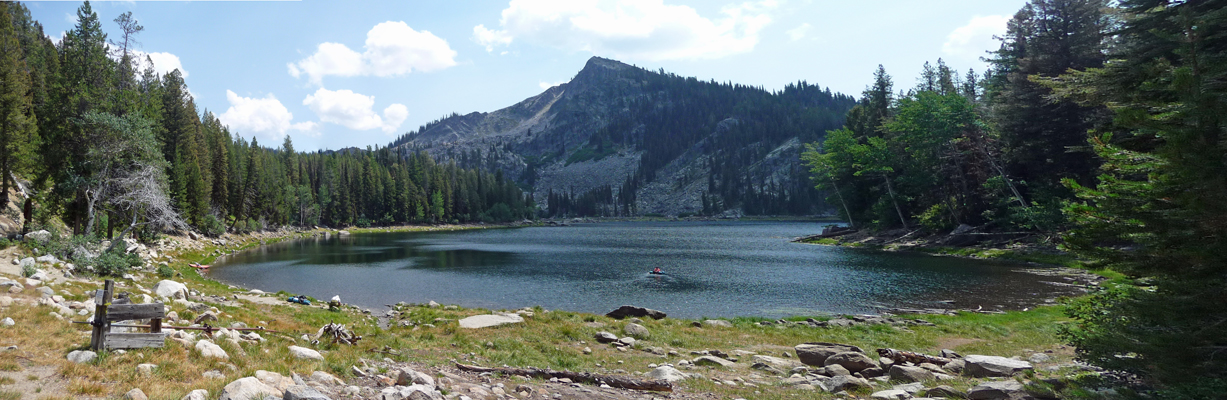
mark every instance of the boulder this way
{"type": "Point", "coordinates": [26, 262]}
{"type": "Point", "coordinates": [712, 361]}
{"type": "Point", "coordinates": [667, 373]}
{"type": "Point", "coordinates": [627, 341]}
{"type": "Point", "coordinates": [911, 388]}
{"type": "Point", "coordinates": [979, 366]}
{"type": "Point", "coordinates": [303, 392]}
{"type": "Point", "coordinates": [776, 362]}
{"type": "Point", "coordinates": [891, 394]}
{"type": "Point", "coordinates": [46, 259]}
{"type": "Point", "coordinates": [412, 392]}
{"type": "Point", "coordinates": [170, 289]}
{"type": "Point", "coordinates": [7, 322]}
{"type": "Point", "coordinates": [945, 391]}
{"type": "Point", "coordinates": [605, 337]}
{"type": "Point", "coordinates": [325, 378]}
{"type": "Point", "coordinates": [955, 366]}
{"type": "Point", "coordinates": [997, 390]}
{"type": "Point", "coordinates": [910, 374]}
{"type": "Point", "coordinates": [278, 381]}
{"type": "Point", "coordinates": [489, 320]}
{"type": "Point", "coordinates": [305, 353]}
{"type": "Point", "coordinates": [82, 356]}
{"type": "Point", "coordinates": [717, 323]}
{"type": "Point", "coordinates": [41, 236]}
{"type": "Point", "coordinates": [816, 353]}
{"type": "Point", "coordinates": [846, 383]}
{"type": "Point", "coordinates": [198, 394]}
{"type": "Point", "coordinates": [636, 331]}
{"type": "Point", "coordinates": [853, 361]}
{"type": "Point", "coordinates": [146, 370]}
{"type": "Point", "coordinates": [135, 394]}
{"type": "Point", "coordinates": [208, 349]}
{"type": "Point", "coordinates": [408, 377]}
{"type": "Point", "coordinates": [248, 388]}
{"type": "Point", "coordinates": [632, 311]}
{"type": "Point", "coordinates": [834, 370]}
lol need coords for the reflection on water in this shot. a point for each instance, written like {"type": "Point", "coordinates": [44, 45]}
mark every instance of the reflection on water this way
{"type": "Point", "coordinates": [716, 269]}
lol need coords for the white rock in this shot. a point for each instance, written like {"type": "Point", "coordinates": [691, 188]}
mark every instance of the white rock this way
{"type": "Point", "coordinates": [408, 376]}
{"type": "Point", "coordinates": [146, 369]}
{"type": "Point", "coordinates": [980, 366]}
{"type": "Point", "coordinates": [274, 379]}
{"type": "Point", "coordinates": [198, 394]}
{"type": "Point", "coordinates": [6, 301]}
{"type": "Point", "coordinates": [248, 388]}
{"type": "Point", "coordinates": [305, 353]}
{"type": "Point", "coordinates": [46, 259]}
{"type": "Point", "coordinates": [170, 289]}
{"type": "Point", "coordinates": [488, 320]}
{"type": "Point", "coordinates": [208, 349]}
{"type": "Point", "coordinates": [135, 394]}
{"type": "Point", "coordinates": [667, 373]}
{"type": "Point", "coordinates": [891, 395]}
{"type": "Point", "coordinates": [7, 322]}
{"type": "Point", "coordinates": [82, 356]}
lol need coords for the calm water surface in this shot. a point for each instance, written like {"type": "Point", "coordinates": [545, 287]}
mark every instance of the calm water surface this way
{"type": "Point", "coordinates": [713, 269]}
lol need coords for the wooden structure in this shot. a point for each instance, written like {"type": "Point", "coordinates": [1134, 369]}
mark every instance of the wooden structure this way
{"type": "Point", "coordinates": [105, 313]}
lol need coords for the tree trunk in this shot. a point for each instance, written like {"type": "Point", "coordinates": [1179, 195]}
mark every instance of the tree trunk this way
{"type": "Point", "coordinates": [890, 189]}
{"type": "Point", "coordinates": [847, 212]}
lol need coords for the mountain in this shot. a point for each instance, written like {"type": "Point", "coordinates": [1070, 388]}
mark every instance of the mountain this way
{"type": "Point", "coordinates": [621, 140]}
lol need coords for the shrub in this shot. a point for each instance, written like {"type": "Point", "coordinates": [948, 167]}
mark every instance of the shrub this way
{"type": "Point", "coordinates": [115, 263]}
{"type": "Point", "coordinates": [212, 226]}
{"type": "Point", "coordinates": [165, 271]}
{"type": "Point", "coordinates": [27, 270]}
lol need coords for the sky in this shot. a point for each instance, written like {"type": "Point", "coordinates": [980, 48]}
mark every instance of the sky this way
{"type": "Point", "coordinates": [337, 74]}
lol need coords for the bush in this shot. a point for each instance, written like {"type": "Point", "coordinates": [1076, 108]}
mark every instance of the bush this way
{"type": "Point", "coordinates": [27, 271]}
{"type": "Point", "coordinates": [115, 263]}
{"type": "Point", "coordinates": [363, 222]}
{"type": "Point", "coordinates": [212, 226]}
{"type": "Point", "coordinates": [165, 271]}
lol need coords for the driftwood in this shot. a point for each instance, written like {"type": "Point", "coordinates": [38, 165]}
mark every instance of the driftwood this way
{"type": "Point", "coordinates": [579, 377]}
{"type": "Point", "coordinates": [337, 334]}
{"type": "Point", "coordinates": [900, 356]}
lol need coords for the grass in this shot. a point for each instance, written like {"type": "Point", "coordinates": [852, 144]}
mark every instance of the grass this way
{"type": "Point", "coordinates": [548, 339]}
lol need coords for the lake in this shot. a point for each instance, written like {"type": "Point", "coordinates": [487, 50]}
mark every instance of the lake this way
{"type": "Point", "coordinates": [712, 269]}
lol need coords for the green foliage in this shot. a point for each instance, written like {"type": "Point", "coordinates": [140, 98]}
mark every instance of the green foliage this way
{"type": "Point", "coordinates": [28, 270]}
{"type": "Point", "coordinates": [113, 263]}
{"type": "Point", "coordinates": [212, 226]}
{"type": "Point", "coordinates": [165, 271]}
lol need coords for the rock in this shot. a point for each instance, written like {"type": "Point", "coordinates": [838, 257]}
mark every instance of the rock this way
{"type": "Point", "coordinates": [198, 394]}
{"type": "Point", "coordinates": [873, 372]}
{"type": "Point", "coordinates": [667, 373]}
{"type": "Point", "coordinates": [82, 356]}
{"type": "Point", "coordinates": [206, 317]}
{"type": "Point", "coordinates": [213, 374]}
{"type": "Point", "coordinates": [413, 392]}
{"type": "Point", "coordinates": [407, 377]}
{"type": "Point", "coordinates": [945, 391]}
{"type": "Point", "coordinates": [146, 370]}
{"type": "Point", "coordinates": [834, 370]}
{"type": "Point", "coordinates": [193, 235]}
{"type": "Point", "coordinates": [627, 341]}
{"type": "Point", "coordinates": [6, 301]}
{"type": "Point", "coordinates": [951, 354]}
{"type": "Point", "coordinates": [46, 259]}
{"type": "Point", "coordinates": [979, 366]}
{"type": "Point", "coordinates": [911, 388]}
{"type": "Point", "coordinates": [135, 394]}
{"type": "Point", "coordinates": [846, 383]}
{"type": "Point", "coordinates": [248, 388]}
{"type": "Point", "coordinates": [853, 361]}
{"type": "Point", "coordinates": [1039, 358]}
{"type": "Point", "coordinates": [997, 390]}
{"type": "Point", "coordinates": [775, 362]}
{"type": "Point", "coordinates": [325, 378]}
{"type": "Point", "coordinates": [816, 353]}
{"type": "Point", "coordinates": [632, 311]}
{"type": "Point", "coordinates": [605, 337]}
{"type": "Point", "coordinates": [717, 323]}
{"type": "Point", "coordinates": [303, 392]}
{"type": "Point", "coordinates": [910, 374]}
{"type": "Point", "coordinates": [170, 289]}
{"type": "Point", "coordinates": [432, 304]}
{"type": "Point", "coordinates": [489, 320]}
{"type": "Point", "coordinates": [636, 331]}
{"type": "Point", "coordinates": [891, 395]}
{"type": "Point", "coordinates": [41, 236]}
{"type": "Point", "coordinates": [955, 366]}
{"type": "Point", "coordinates": [305, 353]}
{"type": "Point", "coordinates": [208, 349]}
{"type": "Point", "coordinates": [44, 291]}
{"type": "Point", "coordinates": [7, 322]}
{"type": "Point", "coordinates": [712, 361]}
{"type": "Point", "coordinates": [40, 276]}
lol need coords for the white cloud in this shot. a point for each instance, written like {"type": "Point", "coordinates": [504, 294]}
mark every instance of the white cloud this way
{"type": "Point", "coordinates": [354, 110]}
{"type": "Point", "coordinates": [392, 48]}
{"type": "Point", "coordinates": [630, 29]}
{"type": "Point", "coordinates": [972, 40]}
{"type": "Point", "coordinates": [799, 32]}
{"type": "Point", "coordinates": [162, 62]}
{"type": "Point", "coordinates": [265, 116]}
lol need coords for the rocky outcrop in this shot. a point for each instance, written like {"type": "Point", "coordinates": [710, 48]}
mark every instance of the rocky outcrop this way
{"type": "Point", "coordinates": [980, 366]}
{"type": "Point", "coordinates": [816, 353]}
{"type": "Point", "coordinates": [489, 320]}
{"type": "Point", "coordinates": [632, 311]}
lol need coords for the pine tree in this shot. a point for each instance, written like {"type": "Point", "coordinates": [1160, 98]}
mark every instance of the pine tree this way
{"type": "Point", "coordinates": [18, 124]}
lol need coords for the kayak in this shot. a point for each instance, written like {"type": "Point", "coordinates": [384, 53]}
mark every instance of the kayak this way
{"type": "Point", "coordinates": [198, 266]}
{"type": "Point", "coordinates": [656, 273]}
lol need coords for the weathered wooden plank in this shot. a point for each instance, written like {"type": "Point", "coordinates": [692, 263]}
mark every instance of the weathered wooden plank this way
{"type": "Point", "coordinates": [101, 325]}
{"type": "Point", "coordinates": [134, 340]}
{"type": "Point", "coordinates": [126, 312]}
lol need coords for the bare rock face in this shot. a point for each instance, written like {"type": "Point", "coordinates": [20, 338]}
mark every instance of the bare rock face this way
{"type": "Point", "coordinates": [816, 353]}
{"type": "Point", "coordinates": [632, 311]}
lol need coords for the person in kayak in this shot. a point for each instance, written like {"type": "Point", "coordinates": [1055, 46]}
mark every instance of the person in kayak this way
{"type": "Point", "coordinates": [656, 270]}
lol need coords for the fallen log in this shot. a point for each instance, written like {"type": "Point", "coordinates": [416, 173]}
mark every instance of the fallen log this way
{"type": "Point", "coordinates": [578, 377]}
{"type": "Point", "coordinates": [900, 356]}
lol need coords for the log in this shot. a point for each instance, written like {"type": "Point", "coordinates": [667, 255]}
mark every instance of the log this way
{"type": "Point", "coordinates": [900, 356]}
{"type": "Point", "coordinates": [134, 340]}
{"type": "Point", "coordinates": [129, 312]}
{"type": "Point", "coordinates": [578, 377]}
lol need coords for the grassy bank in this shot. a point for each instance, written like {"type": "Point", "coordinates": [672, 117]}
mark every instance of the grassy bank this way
{"type": "Point", "coordinates": [431, 338]}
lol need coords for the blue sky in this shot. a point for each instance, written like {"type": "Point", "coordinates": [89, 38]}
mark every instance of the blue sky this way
{"type": "Point", "coordinates": [335, 74]}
